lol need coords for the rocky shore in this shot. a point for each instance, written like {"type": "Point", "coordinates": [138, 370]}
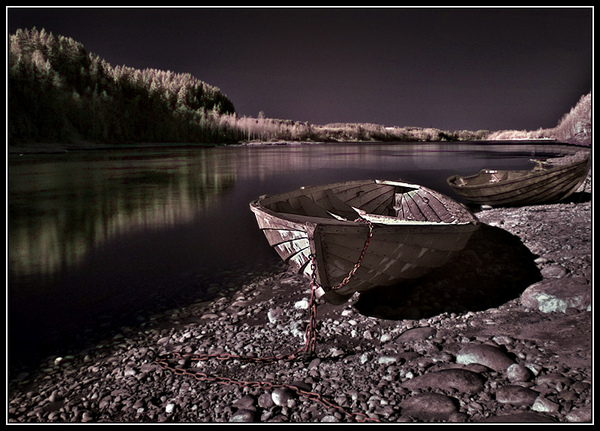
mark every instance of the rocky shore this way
{"type": "Point", "coordinates": [501, 334]}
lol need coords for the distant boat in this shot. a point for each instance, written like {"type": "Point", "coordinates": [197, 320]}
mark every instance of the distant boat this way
{"type": "Point", "coordinates": [550, 181]}
{"type": "Point", "coordinates": [353, 236]}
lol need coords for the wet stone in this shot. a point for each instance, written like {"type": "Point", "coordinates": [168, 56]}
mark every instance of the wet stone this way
{"type": "Point", "coordinates": [265, 401]}
{"type": "Point", "coordinates": [245, 403]}
{"type": "Point", "coordinates": [243, 416]}
{"type": "Point", "coordinates": [429, 407]}
{"type": "Point", "coordinates": [583, 414]}
{"type": "Point", "coordinates": [553, 271]}
{"type": "Point", "coordinates": [416, 334]}
{"type": "Point", "coordinates": [518, 373]}
{"type": "Point", "coordinates": [544, 405]}
{"type": "Point", "coordinates": [457, 379]}
{"type": "Point", "coordinates": [516, 395]}
{"type": "Point", "coordinates": [282, 396]}
{"type": "Point", "coordinates": [550, 296]}
{"type": "Point", "coordinates": [484, 354]}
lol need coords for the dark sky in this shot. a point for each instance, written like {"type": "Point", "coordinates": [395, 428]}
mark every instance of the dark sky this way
{"type": "Point", "coordinates": [453, 69]}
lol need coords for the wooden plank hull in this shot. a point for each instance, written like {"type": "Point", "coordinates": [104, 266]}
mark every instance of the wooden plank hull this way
{"type": "Point", "coordinates": [414, 230]}
{"type": "Point", "coordinates": [514, 188]}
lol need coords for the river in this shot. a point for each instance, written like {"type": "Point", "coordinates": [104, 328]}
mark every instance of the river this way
{"type": "Point", "coordinates": [101, 240]}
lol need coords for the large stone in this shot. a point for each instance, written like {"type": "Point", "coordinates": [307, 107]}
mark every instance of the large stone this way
{"type": "Point", "coordinates": [462, 380]}
{"type": "Point", "coordinates": [282, 396]}
{"type": "Point", "coordinates": [416, 334]}
{"type": "Point", "coordinates": [484, 354]}
{"type": "Point", "coordinates": [429, 407]}
{"type": "Point", "coordinates": [516, 395]}
{"type": "Point", "coordinates": [551, 296]}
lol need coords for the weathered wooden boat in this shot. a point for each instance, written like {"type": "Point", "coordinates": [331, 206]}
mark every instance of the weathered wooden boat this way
{"type": "Point", "coordinates": [353, 236]}
{"type": "Point", "coordinates": [550, 181]}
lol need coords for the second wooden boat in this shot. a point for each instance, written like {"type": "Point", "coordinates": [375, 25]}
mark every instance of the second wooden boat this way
{"type": "Point", "coordinates": [356, 235]}
{"type": "Point", "coordinates": [549, 181]}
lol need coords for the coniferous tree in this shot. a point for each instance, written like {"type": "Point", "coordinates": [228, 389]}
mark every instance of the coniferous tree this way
{"type": "Point", "coordinates": [58, 92]}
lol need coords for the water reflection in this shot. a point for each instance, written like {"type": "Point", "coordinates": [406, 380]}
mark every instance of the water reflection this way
{"type": "Point", "coordinates": [63, 206]}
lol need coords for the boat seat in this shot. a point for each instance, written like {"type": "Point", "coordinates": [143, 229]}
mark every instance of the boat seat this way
{"type": "Point", "coordinates": [496, 177]}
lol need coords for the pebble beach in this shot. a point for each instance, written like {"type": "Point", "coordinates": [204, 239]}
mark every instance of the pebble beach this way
{"type": "Point", "coordinates": [501, 334]}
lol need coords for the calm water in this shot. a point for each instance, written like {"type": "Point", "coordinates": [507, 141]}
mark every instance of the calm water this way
{"type": "Point", "coordinates": [99, 240]}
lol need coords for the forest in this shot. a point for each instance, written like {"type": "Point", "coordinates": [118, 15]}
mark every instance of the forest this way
{"type": "Point", "coordinates": [58, 93]}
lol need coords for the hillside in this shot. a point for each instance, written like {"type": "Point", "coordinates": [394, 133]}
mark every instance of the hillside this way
{"type": "Point", "coordinates": [58, 92]}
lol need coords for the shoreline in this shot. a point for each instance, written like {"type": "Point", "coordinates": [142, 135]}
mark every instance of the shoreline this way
{"type": "Point", "coordinates": [59, 148]}
{"type": "Point", "coordinates": [455, 348]}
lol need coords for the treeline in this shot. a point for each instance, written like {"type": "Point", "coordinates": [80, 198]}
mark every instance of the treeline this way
{"type": "Point", "coordinates": [57, 92]}
{"type": "Point", "coordinates": [575, 127]}
{"type": "Point", "coordinates": [263, 129]}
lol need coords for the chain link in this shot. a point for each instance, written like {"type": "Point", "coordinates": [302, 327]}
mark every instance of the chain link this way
{"type": "Point", "coordinates": [309, 347]}
{"type": "Point", "coordinates": [360, 259]}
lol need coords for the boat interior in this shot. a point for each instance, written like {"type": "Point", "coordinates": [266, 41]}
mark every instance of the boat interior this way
{"type": "Point", "coordinates": [386, 201]}
{"type": "Point", "coordinates": [488, 176]}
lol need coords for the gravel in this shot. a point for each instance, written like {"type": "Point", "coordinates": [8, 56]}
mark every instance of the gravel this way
{"type": "Point", "coordinates": [502, 334]}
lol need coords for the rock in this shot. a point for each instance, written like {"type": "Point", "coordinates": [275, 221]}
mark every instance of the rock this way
{"type": "Point", "coordinates": [169, 408]}
{"type": "Point", "coordinates": [275, 314]}
{"type": "Point", "coordinates": [314, 364]}
{"type": "Point", "coordinates": [416, 334]}
{"type": "Point", "coordinates": [544, 405]}
{"type": "Point", "coordinates": [557, 296]}
{"type": "Point", "coordinates": [429, 407]}
{"type": "Point", "coordinates": [553, 271]}
{"type": "Point", "coordinates": [282, 396]}
{"type": "Point", "coordinates": [265, 401]}
{"type": "Point", "coordinates": [483, 354]}
{"type": "Point", "coordinates": [54, 397]}
{"type": "Point", "coordinates": [243, 416]}
{"type": "Point", "coordinates": [461, 380]}
{"type": "Point", "coordinates": [583, 414]}
{"type": "Point", "coordinates": [87, 417]}
{"type": "Point", "coordinates": [245, 403]}
{"type": "Point", "coordinates": [302, 305]}
{"type": "Point", "coordinates": [553, 378]}
{"type": "Point", "coordinates": [329, 419]}
{"type": "Point", "coordinates": [387, 359]}
{"type": "Point", "coordinates": [516, 395]}
{"type": "Point", "coordinates": [518, 373]}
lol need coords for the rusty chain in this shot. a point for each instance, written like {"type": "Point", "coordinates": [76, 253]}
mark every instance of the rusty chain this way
{"type": "Point", "coordinates": [360, 259]}
{"type": "Point", "coordinates": [309, 347]}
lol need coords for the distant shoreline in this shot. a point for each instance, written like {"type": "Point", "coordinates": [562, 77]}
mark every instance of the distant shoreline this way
{"type": "Point", "coordinates": [61, 148]}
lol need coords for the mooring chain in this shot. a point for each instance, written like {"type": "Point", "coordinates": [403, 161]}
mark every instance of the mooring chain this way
{"type": "Point", "coordinates": [310, 343]}
{"type": "Point", "coordinates": [362, 255]}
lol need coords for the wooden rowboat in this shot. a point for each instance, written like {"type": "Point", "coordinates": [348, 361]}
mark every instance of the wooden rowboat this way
{"type": "Point", "coordinates": [356, 235]}
{"type": "Point", "coordinates": [550, 181]}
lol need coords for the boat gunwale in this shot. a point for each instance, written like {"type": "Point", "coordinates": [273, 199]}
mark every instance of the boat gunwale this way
{"type": "Point", "coordinates": [304, 219]}
{"type": "Point", "coordinates": [531, 174]}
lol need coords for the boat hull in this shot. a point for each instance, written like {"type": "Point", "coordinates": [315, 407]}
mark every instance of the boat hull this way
{"type": "Point", "coordinates": [515, 188]}
{"type": "Point", "coordinates": [328, 248]}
